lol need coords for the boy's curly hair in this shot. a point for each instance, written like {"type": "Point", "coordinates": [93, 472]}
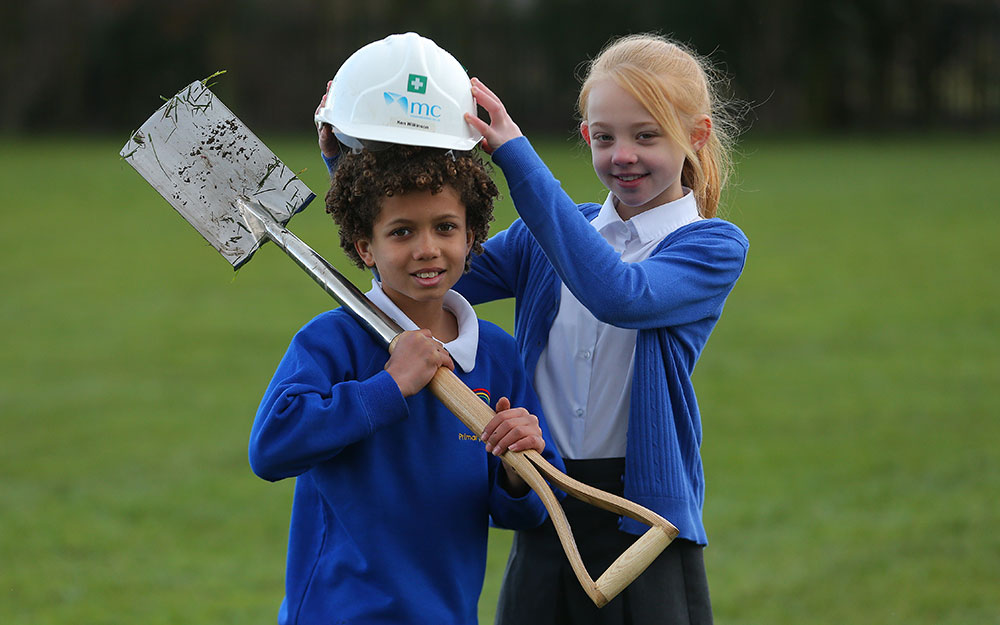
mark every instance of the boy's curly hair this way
{"type": "Point", "coordinates": [363, 179]}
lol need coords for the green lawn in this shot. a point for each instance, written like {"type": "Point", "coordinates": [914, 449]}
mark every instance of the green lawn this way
{"type": "Point", "coordinates": [848, 395]}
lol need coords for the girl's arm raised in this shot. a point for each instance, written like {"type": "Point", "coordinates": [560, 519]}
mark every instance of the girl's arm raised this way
{"type": "Point", "coordinates": [687, 280]}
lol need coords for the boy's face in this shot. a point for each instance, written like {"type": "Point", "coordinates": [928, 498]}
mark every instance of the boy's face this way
{"type": "Point", "coordinates": [419, 244]}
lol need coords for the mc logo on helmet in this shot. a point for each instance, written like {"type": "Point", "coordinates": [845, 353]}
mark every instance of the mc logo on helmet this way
{"type": "Point", "coordinates": [412, 108]}
{"type": "Point", "coordinates": [395, 97]}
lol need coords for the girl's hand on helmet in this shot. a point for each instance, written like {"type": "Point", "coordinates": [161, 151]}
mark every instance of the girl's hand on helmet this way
{"type": "Point", "coordinates": [501, 127]}
{"type": "Point", "coordinates": [328, 144]}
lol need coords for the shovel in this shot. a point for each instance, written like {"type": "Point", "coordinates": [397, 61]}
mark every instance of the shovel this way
{"type": "Point", "coordinates": [227, 184]}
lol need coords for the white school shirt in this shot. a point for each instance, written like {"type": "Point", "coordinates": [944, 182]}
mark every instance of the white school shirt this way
{"type": "Point", "coordinates": [463, 349]}
{"type": "Point", "coordinates": [584, 381]}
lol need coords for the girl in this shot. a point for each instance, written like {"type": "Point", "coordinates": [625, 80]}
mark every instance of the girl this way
{"type": "Point", "coordinates": [614, 304]}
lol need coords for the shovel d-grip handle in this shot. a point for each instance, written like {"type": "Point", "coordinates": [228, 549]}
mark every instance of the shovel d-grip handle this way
{"type": "Point", "coordinates": [531, 466]}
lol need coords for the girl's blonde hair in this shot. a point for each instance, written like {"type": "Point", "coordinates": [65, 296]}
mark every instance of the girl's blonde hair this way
{"type": "Point", "coordinates": [674, 84]}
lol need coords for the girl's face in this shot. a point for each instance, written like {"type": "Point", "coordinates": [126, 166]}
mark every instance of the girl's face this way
{"type": "Point", "coordinates": [633, 156]}
{"type": "Point", "coordinates": [419, 245]}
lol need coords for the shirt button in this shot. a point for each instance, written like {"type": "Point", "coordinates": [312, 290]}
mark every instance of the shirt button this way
{"type": "Point", "coordinates": [579, 412]}
{"type": "Point", "coordinates": [585, 354]}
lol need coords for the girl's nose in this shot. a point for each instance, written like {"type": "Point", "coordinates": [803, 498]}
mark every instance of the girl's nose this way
{"type": "Point", "coordinates": [624, 154]}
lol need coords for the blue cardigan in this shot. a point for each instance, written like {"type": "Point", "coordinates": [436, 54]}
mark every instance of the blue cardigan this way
{"type": "Point", "coordinates": [393, 495]}
{"type": "Point", "coordinates": [673, 298]}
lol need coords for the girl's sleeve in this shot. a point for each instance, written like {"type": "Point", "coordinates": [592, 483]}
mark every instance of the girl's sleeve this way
{"type": "Point", "coordinates": [331, 163]}
{"type": "Point", "coordinates": [313, 408]}
{"type": "Point", "coordinates": [686, 281]}
{"type": "Point", "coordinates": [494, 273]}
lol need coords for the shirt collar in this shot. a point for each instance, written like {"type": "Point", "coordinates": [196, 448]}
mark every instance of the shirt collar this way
{"type": "Point", "coordinates": [463, 348]}
{"type": "Point", "coordinates": [654, 224]}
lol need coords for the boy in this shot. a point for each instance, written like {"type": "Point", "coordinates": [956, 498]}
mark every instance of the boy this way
{"type": "Point", "coordinates": [393, 496]}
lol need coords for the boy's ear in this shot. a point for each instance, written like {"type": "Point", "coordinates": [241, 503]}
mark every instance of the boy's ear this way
{"type": "Point", "coordinates": [470, 237]}
{"type": "Point", "coordinates": [701, 131]}
{"type": "Point", "coordinates": [364, 249]}
{"type": "Point", "coordinates": [585, 132]}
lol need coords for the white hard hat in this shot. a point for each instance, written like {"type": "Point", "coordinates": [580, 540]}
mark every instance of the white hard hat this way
{"type": "Point", "coordinates": [402, 89]}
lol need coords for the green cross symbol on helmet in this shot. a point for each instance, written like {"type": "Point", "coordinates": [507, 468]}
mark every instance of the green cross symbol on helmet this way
{"type": "Point", "coordinates": [365, 107]}
{"type": "Point", "coordinates": [417, 84]}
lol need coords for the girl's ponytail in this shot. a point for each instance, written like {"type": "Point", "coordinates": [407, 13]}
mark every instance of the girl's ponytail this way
{"type": "Point", "coordinates": [707, 174]}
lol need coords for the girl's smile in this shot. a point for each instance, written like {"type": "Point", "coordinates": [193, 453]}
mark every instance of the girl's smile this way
{"type": "Point", "coordinates": [629, 181]}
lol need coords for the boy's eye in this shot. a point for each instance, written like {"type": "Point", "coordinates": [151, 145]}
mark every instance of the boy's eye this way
{"type": "Point", "coordinates": [399, 232]}
{"type": "Point", "coordinates": [446, 227]}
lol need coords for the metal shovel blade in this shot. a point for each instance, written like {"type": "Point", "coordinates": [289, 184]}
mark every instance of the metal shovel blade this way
{"type": "Point", "coordinates": [200, 157]}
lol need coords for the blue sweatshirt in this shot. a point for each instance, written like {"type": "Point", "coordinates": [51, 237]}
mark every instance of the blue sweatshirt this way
{"type": "Point", "coordinates": [393, 495]}
{"type": "Point", "coordinates": [673, 298]}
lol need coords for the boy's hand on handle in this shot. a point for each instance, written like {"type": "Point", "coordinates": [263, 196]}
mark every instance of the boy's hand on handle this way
{"type": "Point", "coordinates": [327, 141]}
{"type": "Point", "coordinates": [513, 429]}
{"type": "Point", "coordinates": [501, 128]}
{"type": "Point", "coordinates": [415, 359]}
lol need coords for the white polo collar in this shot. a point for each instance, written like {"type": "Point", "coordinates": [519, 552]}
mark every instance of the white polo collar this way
{"type": "Point", "coordinates": [654, 224]}
{"type": "Point", "coordinates": [463, 348]}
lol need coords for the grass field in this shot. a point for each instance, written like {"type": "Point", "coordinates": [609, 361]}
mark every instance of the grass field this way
{"type": "Point", "coordinates": [849, 394]}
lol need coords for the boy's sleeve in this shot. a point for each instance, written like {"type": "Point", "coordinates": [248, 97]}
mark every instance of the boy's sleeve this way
{"type": "Point", "coordinates": [313, 408]}
{"type": "Point", "coordinates": [686, 281]}
{"type": "Point", "coordinates": [528, 511]}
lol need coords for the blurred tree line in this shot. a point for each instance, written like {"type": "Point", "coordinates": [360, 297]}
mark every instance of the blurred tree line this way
{"type": "Point", "coordinates": [102, 65]}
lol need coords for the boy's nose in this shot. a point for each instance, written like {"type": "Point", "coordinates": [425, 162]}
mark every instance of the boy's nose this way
{"type": "Point", "coordinates": [425, 247]}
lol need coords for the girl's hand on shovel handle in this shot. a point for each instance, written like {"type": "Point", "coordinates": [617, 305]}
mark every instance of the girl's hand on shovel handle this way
{"type": "Point", "coordinates": [513, 429]}
{"type": "Point", "coordinates": [416, 357]}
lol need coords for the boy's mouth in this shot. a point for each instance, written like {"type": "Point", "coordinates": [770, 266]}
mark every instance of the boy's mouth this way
{"type": "Point", "coordinates": [428, 277]}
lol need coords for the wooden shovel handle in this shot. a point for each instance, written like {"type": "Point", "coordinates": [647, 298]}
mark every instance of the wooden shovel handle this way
{"type": "Point", "coordinates": [530, 465]}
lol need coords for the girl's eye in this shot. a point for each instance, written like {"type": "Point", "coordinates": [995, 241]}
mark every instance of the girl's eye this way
{"type": "Point", "coordinates": [603, 138]}
{"type": "Point", "coordinates": [446, 227]}
{"type": "Point", "coordinates": [647, 136]}
{"type": "Point", "coordinates": [399, 232]}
